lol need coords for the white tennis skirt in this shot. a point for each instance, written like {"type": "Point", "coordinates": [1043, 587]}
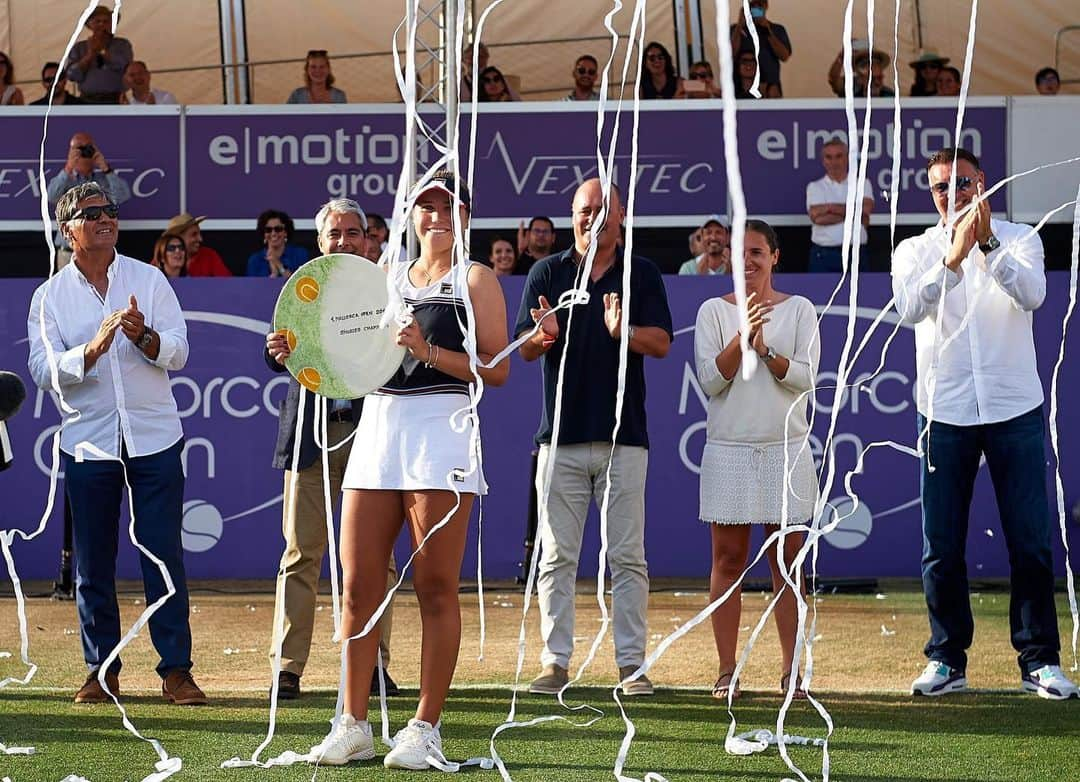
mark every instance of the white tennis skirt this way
{"type": "Point", "coordinates": [407, 443]}
{"type": "Point", "coordinates": [744, 484]}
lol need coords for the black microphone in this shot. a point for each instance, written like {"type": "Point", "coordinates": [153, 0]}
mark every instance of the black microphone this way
{"type": "Point", "coordinates": [12, 394]}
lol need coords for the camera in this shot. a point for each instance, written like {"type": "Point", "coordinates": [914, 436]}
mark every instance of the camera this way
{"type": "Point", "coordinates": [87, 150]}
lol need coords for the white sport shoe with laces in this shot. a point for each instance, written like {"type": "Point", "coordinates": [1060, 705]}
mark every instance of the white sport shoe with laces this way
{"type": "Point", "coordinates": [1051, 683]}
{"type": "Point", "coordinates": [412, 746]}
{"type": "Point", "coordinates": [938, 678]}
{"type": "Point", "coordinates": [349, 739]}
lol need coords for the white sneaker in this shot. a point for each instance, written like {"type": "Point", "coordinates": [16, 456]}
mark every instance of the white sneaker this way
{"type": "Point", "coordinates": [412, 746]}
{"type": "Point", "coordinates": [349, 739]}
{"type": "Point", "coordinates": [938, 678]}
{"type": "Point", "coordinates": [1049, 682]}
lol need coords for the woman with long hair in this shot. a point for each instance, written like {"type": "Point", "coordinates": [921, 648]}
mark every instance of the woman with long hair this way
{"type": "Point", "coordinates": [10, 95]}
{"type": "Point", "coordinates": [318, 81]}
{"type": "Point", "coordinates": [757, 469]}
{"type": "Point", "coordinates": [170, 255]}
{"type": "Point", "coordinates": [494, 87]}
{"type": "Point", "coordinates": [413, 466]}
{"type": "Point", "coordinates": [658, 79]}
{"type": "Point", "coordinates": [277, 258]}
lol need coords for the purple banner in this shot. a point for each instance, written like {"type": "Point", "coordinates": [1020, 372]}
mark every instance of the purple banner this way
{"type": "Point", "coordinates": [228, 403]}
{"type": "Point", "coordinates": [141, 145]}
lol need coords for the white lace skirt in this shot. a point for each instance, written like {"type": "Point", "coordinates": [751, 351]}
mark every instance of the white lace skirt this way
{"type": "Point", "coordinates": [744, 484]}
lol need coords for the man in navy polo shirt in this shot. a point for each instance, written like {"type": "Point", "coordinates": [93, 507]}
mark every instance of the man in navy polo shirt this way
{"type": "Point", "coordinates": [585, 459]}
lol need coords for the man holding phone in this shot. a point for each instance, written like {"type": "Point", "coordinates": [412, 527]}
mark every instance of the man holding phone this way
{"type": "Point", "coordinates": [773, 38]}
{"type": "Point", "coordinates": [85, 163]}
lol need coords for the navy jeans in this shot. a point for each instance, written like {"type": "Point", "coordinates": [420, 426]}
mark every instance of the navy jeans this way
{"type": "Point", "coordinates": [1014, 454]}
{"type": "Point", "coordinates": [830, 259]}
{"type": "Point", "coordinates": [95, 490]}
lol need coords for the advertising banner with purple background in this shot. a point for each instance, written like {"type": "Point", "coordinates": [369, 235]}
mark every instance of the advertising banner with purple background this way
{"type": "Point", "coordinates": [228, 402]}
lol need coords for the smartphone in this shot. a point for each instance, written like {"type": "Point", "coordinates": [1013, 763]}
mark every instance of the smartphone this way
{"type": "Point", "coordinates": [693, 85]}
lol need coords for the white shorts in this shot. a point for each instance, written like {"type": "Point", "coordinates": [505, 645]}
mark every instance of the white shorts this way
{"type": "Point", "coordinates": [744, 484]}
{"type": "Point", "coordinates": [407, 443]}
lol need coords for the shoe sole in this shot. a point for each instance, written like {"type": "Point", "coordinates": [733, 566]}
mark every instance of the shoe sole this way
{"type": "Point", "coordinates": [955, 686]}
{"type": "Point", "coordinates": [544, 690]}
{"type": "Point", "coordinates": [187, 701]}
{"type": "Point", "coordinates": [367, 754]}
{"type": "Point", "coordinates": [638, 693]}
{"type": "Point", "coordinates": [1043, 693]}
{"type": "Point", "coordinates": [389, 762]}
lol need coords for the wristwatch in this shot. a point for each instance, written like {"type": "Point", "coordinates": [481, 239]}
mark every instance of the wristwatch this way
{"type": "Point", "coordinates": [768, 356]}
{"type": "Point", "coordinates": [143, 342]}
{"type": "Point", "coordinates": [992, 244]}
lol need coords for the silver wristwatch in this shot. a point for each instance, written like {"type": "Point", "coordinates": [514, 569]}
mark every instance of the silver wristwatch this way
{"type": "Point", "coordinates": [147, 337]}
{"type": "Point", "coordinates": [768, 356]}
{"type": "Point", "coordinates": [992, 244]}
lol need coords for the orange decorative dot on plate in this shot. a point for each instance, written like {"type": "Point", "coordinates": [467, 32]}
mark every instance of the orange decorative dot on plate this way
{"type": "Point", "coordinates": [290, 338]}
{"type": "Point", "coordinates": [307, 289]}
{"type": "Point", "coordinates": [309, 378]}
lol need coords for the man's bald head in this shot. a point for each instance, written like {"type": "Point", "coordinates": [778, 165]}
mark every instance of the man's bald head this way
{"type": "Point", "coordinates": [586, 207]}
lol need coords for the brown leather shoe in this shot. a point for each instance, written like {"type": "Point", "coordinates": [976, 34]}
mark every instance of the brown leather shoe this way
{"type": "Point", "coordinates": [92, 691]}
{"type": "Point", "coordinates": [180, 688]}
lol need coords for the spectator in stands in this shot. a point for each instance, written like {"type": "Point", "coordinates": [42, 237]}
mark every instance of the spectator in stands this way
{"type": "Point", "coordinates": [496, 90]}
{"type": "Point", "coordinates": [1048, 82]}
{"type": "Point", "coordinates": [757, 468]}
{"type": "Point", "coordinates": [501, 256]}
{"type": "Point", "coordinates": [170, 255]}
{"type": "Point", "coordinates": [746, 68]}
{"type": "Point", "coordinates": [140, 93]}
{"type": "Point", "coordinates": [868, 70]}
{"type": "Point", "coordinates": [202, 260]}
{"type": "Point", "coordinates": [277, 258]}
{"type": "Point", "coordinates": [97, 64]}
{"type": "Point", "coordinates": [948, 82]}
{"type": "Point", "coordinates": [715, 257]}
{"type": "Point", "coordinates": [483, 58]}
{"type": "Point", "coordinates": [927, 67]}
{"type": "Point", "coordinates": [826, 203]}
{"type": "Point", "coordinates": [85, 163]}
{"type": "Point", "coordinates": [535, 242]}
{"type": "Point", "coordinates": [774, 42]}
{"type": "Point", "coordinates": [694, 241]}
{"type": "Point", "coordinates": [701, 83]}
{"type": "Point", "coordinates": [58, 94]}
{"type": "Point", "coordinates": [11, 95]}
{"type": "Point", "coordinates": [380, 231]}
{"type": "Point", "coordinates": [658, 79]}
{"type": "Point", "coordinates": [318, 81]}
{"type": "Point", "coordinates": [584, 74]}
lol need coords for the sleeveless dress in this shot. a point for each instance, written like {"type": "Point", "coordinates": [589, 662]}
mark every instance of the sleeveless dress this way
{"type": "Point", "coordinates": [414, 433]}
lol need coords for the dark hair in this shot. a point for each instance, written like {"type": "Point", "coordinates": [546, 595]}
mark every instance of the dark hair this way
{"type": "Point", "coordinates": [445, 178]}
{"type": "Point", "coordinates": [955, 72]}
{"type": "Point", "coordinates": [766, 230]}
{"type": "Point", "coordinates": [68, 203]}
{"type": "Point", "coordinates": [46, 67]}
{"type": "Point", "coordinates": [588, 58]}
{"type": "Point", "coordinates": [9, 74]}
{"type": "Point", "coordinates": [133, 62]}
{"type": "Point", "coordinates": [542, 219]}
{"type": "Point", "coordinates": [949, 155]}
{"type": "Point", "coordinates": [377, 221]}
{"type": "Point", "coordinates": [269, 215]}
{"type": "Point", "coordinates": [482, 95]}
{"type": "Point", "coordinates": [703, 64]}
{"type": "Point", "coordinates": [497, 238]}
{"type": "Point", "coordinates": [669, 67]}
{"type": "Point", "coordinates": [832, 142]}
{"type": "Point", "coordinates": [319, 54]}
{"type": "Point", "coordinates": [1044, 72]}
{"type": "Point", "coordinates": [158, 259]}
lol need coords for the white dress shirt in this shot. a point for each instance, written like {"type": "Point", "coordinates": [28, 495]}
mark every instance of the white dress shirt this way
{"type": "Point", "coordinates": [125, 397]}
{"type": "Point", "coordinates": [829, 191]}
{"type": "Point", "coordinates": [988, 372]}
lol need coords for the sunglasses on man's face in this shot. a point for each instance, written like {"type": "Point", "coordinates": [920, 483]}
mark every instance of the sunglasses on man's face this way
{"type": "Point", "coordinates": [586, 71]}
{"type": "Point", "coordinates": [93, 213]}
{"type": "Point", "coordinates": [174, 248]}
{"type": "Point", "coordinates": [275, 229]}
{"type": "Point", "coordinates": [962, 183]}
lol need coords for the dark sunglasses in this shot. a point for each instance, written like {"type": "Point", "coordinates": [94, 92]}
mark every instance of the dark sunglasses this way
{"type": "Point", "coordinates": [93, 213]}
{"type": "Point", "coordinates": [586, 71]}
{"type": "Point", "coordinates": [962, 183]}
{"type": "Point", "coordinates": [655, 56]}
{"type": "Point", "coordinates": [316, 53]}
{"type": "Point", "coordinates": [276, 229]}
{"type": "Point", "coordinates": [173, 248]}
{"type": "Point", "coordinates": [492, 79]}
{"type": "Point", "coordinates": [700, 75]}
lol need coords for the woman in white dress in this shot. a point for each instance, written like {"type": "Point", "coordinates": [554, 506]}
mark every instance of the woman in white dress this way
{"type": "Point", "coordinates": [757, 469]}
{"type": "Point", "coordinates": [410, 465]}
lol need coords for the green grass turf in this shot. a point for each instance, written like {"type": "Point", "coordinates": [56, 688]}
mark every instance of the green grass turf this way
{"type": "Point", "coordinates": [972, 737]}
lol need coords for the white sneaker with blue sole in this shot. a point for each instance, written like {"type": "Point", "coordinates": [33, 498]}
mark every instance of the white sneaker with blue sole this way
{"type": "Point", "coordinates": [938, 678]}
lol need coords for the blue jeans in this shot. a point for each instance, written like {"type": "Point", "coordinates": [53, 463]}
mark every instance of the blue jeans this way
{"type": "Point", "coordinates": [1014, 454]}
{"type": "Point", "coordinates": [830, 259]}
{"type": "Point", "coordinates": [95, 490]}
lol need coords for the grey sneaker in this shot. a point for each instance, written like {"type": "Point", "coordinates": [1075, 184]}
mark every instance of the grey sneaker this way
{"type": "Point", "coordinates": [639, 686]}
{"type": "Point", "coordinates": [550, 681]}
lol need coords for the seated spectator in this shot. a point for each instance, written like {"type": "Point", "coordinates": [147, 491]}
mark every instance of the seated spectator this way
{"type": "Point", "coordinates": [56, 95]}
{"type": "Point", "coordinates": [773, 40]}
{"type": "Point", "coordinates": [701, 83]}
{"type": "Point", "coordinates": [1048, 82]}
{"type": "Point", "coordinates": [501, 256]}
{"type": "Point", "coordinates": [379, 231]}
{"type": "Point", "coordinates": [927, 67]}
{"type": "Point", "coordinates": [658, 79]}
{"type": "Point", "coordinates": [12, 95]}
{"type": "Point", "coordinates": [170, 255]}
{"type": "Point", "coordinates": [715, 257]}
{"type": "Point", "coordinates": [948, 82]}
{"type": "Point", "coordinates": [318, 81]}
{"type": "Point", "coordinates": [202, 260]}
{"type": "Point", "coordinates": [85, 163]}
{"type": "Point", "coordinates": [694, 240]}
{"type": "Point", "coordinates": [466, 92]}
{"type": "Point", "coordinates": [584, 74]}
{"type": "Point", "coordinates": [277, 258]}
{"type": "Point", "coordinates": [535, 242]}
{"type": "Point", "coordinates": [496, 89]}
{"type": "Point", "coordinates": [97, 64]}
{"type": "Point", "coordinates": [826, 205]}
{"type": "Point", "coordinates": [745, 71]}
{"type": "Point", "coordinates": [140, 93]}
{"type": "Point", "coordinates": [867, 69]}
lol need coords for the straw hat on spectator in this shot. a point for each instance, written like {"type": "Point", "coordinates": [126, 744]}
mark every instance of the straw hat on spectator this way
{"type": "Point", "coordinates": [860, 52]}
{"type": "Point", "coordinates": [928, 56]}
{"type": "Point", "coordinates": [182, 222]}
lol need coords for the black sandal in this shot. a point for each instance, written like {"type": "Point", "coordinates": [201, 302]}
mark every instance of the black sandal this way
{"type": "Point", "coordinates": [721, 689]}
{"type": "Point", "coordinates": [799, 694]}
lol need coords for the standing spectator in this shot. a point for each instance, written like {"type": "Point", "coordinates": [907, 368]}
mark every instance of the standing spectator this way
{"type": "Point", "coordinates": [203, 261]}
{"type": "Point", "coordinates": [501, 256]}
{"type": "Point", "coordinates": [1048, 82]}
{"type": "Point", "coordinates": [277, 258]}
{"type": "Point", "coordinates": [85, 163]}
{"type": "Point", "coordinates": [114, 374]}
{"type": "Point", "coordinates": [495, 88]}
{"type": "Point", "coordinates": [757, 468]}
{"type": "Point", "coordinates": [715, 257]}
{"type": "Point", "coordinates": [318, 81]}
{"type": "Point", "coordinates": [140, 93]}
{"type": "Point", "coordinates": [170, 255]}
{"type": "Point", "coordinates": [774, 42]}
{"type": "Point", "coordinates": [970, 290]}
{"type": "Point", "coordinates": [380, 232]}
{"type": "Point", "coordinates": [533, 243]}
{"type": "Point", "coordinates": [590, 451]}
{"type": "Point", "coordinates": [927, 67]}
{"type": "Point", "coordinates": [56, 95]}
{"type": "Point", "coordinates": [948, 82]}
{"type": "Point", "coordinates": [826, 204]}
{"type": "Point", "coordinates": [584, 74]}
{"type": "Point", "coordinates": [701, 83]}
{"type": "Point", "coordinates": [97, 64]}
{"type": "Point", "coordinates": [483, 58]}
{"type": "Point", "coordinates": [658, 79]}
{"type": "Point", "coordinates": [11, 95]}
